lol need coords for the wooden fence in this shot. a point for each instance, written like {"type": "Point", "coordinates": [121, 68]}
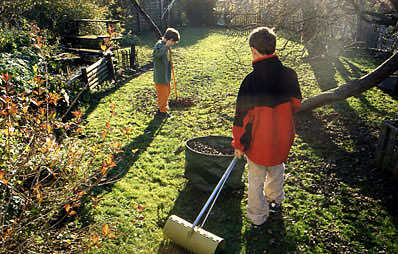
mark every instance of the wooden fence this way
{"type": "Point", "coordinates": [99, 72]}
{"type": "Point", "coordinates": [239, 19]}
{"type": "Point", "coordinates": [94, 75]}
{"type": "Point", "coordinates": [126, 58]}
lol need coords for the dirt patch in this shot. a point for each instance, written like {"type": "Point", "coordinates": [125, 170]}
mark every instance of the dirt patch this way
{"type": "Point", "coordinates": [204, 147]}
{"type": "Point", "coordinates": [144, 101]}
{"type": "Point", "coordinates": [183, 102]}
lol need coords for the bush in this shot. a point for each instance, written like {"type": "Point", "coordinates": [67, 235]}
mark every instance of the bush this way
{"type": "Point", "coordinates": [24, 60]}
{"type": "Point", "coordinates": [53, 15]}
{"type": "Point", "coordinates": [129, 39]}
{"type": "Point", "coordinates": [17, 56]}
{"type": "Point", "coordinates": [46, 173]}
{"type": "Point", "coordinates": [200, 12]}
{"type": "Point", "coordinates": [12, 38]}
{"type": "Point", "coordinates": [21, 67]}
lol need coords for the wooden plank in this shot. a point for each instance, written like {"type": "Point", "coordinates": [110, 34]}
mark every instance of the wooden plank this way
{"type": "Point", "coordinates": [99, 75]}
{"type": "Point", "coordinates": [100, 71]}
{"type": "Point", "coordinates": [100, 67]}
{"type": "Point", "coordinates": [97, 68]}
{"type": "Point", "coordinates": [93, 75]}
{"type": "Point", "coordinates": [97, 82]}
{"type": "Point", "coordinates": [83, 37]}
{"type": "Point", "coordinates": [86, 51]}
{"type": "Point", "coordinates": [106, 36]}
{"type": "Point", "coordinates": [96, 64]}
{"type": "Point", "coordinates": [97, 20]}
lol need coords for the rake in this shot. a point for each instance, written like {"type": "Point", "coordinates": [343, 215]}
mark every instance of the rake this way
{"type": "Point", "coordinates": [192, 237]}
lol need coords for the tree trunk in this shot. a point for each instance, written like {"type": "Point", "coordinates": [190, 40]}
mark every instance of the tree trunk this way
{"type": "Point", "coordinates": [395, 4]}
{"type": "Point", "coordinates": [310, 28]}
{"type": "Point", "coordinates": [353, 88]}
{"type": "Point", "coordinates": [148, 18]}
{"type": "Point", "coordinates": [310, 32]}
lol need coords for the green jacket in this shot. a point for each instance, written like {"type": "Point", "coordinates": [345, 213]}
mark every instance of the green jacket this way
{"type": "Point", "coordinates": [161, 63]}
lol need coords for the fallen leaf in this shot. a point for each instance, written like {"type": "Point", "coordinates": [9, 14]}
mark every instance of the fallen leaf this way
{"type": "Point", "coordinates": [95, 238]}
{"type": "Point", "coordinates": [105, 229]}
{"type": "Point", "coordinates": [71, 213]}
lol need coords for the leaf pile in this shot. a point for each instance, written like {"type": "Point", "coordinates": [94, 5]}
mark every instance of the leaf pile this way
{"type": "Point", "coordinates": [204, 147]}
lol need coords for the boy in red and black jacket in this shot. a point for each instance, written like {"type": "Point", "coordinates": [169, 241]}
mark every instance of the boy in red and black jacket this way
{"type": "Point", "coordinates": [263, 127]}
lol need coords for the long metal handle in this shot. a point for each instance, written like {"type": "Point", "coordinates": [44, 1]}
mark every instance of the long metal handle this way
{"type": "Point", "coordinates": [215, 191]}
{"type": "Point", "coordinates": [214, 201]}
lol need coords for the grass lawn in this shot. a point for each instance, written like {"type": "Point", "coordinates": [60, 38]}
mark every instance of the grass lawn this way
{"type": "Point", "coordinates": [336, 199]}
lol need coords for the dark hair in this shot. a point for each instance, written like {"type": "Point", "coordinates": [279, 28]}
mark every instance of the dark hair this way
{"type": "Point", "coordinates": [172, 33]}
{"type": "Point", "coordinates": [263, 39]}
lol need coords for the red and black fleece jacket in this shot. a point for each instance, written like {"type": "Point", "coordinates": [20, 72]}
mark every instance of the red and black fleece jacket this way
{"type": "Point", "coordinates": [263, 126]}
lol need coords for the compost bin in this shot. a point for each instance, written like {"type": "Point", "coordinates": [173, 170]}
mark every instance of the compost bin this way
{"type": "Point", "coordinates": [207, 158]}
{"type": "Point", "coordinates": [387, 148]}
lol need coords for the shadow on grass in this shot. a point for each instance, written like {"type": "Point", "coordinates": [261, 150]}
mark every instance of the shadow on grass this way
{"type": "Point", "coordinates": [95, 97]}
{"type": "Point", "coordinates": [356, 170]}
{"type": "Point", "coordinates": [269, 238]}
{"type": "Point", "coordinates": [128, 159]}
{"type": "Point", "coordinates": [139, 145]}
{"type": "Point", "coordinates": [225, 219]}
{"type": "Point", "coordinates": [346, 145]}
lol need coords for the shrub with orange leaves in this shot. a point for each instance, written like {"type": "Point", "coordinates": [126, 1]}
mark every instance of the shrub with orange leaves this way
{"type": "Point", "coordinates": [45, 178]}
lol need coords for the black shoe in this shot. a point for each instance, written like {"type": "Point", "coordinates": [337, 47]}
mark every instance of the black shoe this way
{"type": "Point", "coordinates": [255, 226]}
{"type": "Point", "coordinates": [275, 207]}
{"type": "Point", "coordinates": [159, 115]}
{"type": "Point", "coordinates": [162, 115]}
{"type": "Point", "coordinates": [167, 115]}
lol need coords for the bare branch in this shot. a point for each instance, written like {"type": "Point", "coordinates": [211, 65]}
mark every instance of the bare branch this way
{"type": "Point", "coordinates": [353, 88]}
{"type": "Point", "coordinates": [148, 18]}
{"type": "Point", "coordinates": [375, 17]}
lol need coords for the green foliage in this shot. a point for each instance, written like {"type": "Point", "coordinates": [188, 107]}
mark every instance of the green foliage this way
{"type": "Point", "coordinates": [200, 12]}
{"type": "Point", "coordinates": [22, 68]}
{"type": "Point", "coordinates": [27, 54]}
{"type": "Point", "coordinates": [12, 38]}
{"type": "Point", "coordinates": [130, 39]}
{"type": "Point", "coordinates": [123, 10]}
{"type": "Point", "coordinates": [18, 56]}
{"type": "Point", "coordinates": [53, 15]}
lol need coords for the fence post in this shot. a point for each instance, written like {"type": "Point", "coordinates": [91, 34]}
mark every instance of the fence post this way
{"type": "Point", "coordinates": [84, 75]}
{"type": "Point", "coordinates": [132, 57]}
{"type": "Point", "coordinates": [111, 68]}
{"type": "Point", "coordinates": [123, 60]}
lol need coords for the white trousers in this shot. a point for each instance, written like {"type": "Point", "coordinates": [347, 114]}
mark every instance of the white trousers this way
{"type": "Point", "coordinates": [265, 184]}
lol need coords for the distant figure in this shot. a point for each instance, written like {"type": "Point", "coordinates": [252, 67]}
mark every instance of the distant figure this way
{"type": "Point", "coordinates": [162, 70]}
{"type": "Point", "coordinates": [263, 127]}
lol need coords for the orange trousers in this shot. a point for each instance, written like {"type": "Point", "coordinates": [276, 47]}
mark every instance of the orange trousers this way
{"type": "Point", "coordinates": [163, 92]}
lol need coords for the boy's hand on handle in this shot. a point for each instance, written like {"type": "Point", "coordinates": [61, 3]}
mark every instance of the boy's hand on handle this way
{"type": "Point", "coordinates": [239, 153]}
